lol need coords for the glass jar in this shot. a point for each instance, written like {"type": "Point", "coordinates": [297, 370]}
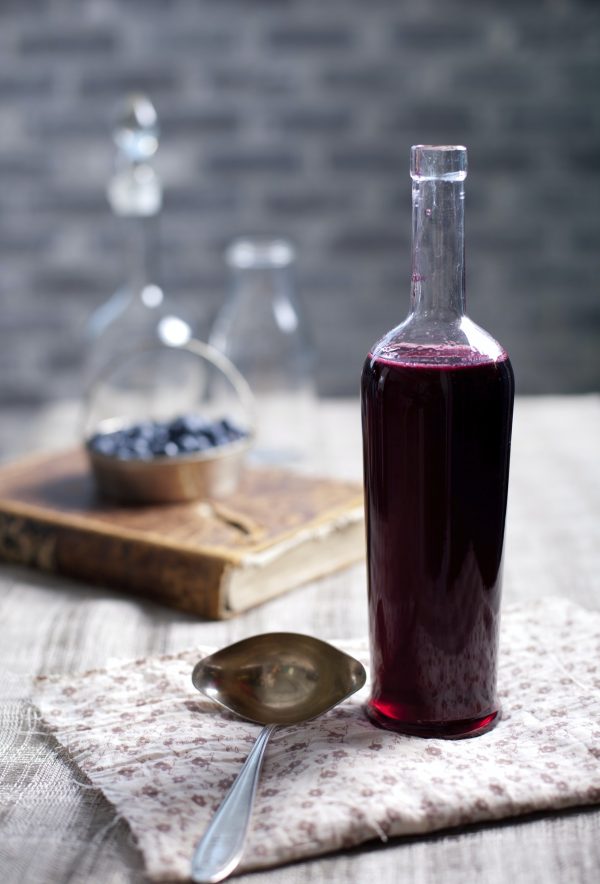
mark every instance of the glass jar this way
{"type": "Point", "coordinates": [138, 313]}
{"type": "Point", "coordinates": [262, 329]}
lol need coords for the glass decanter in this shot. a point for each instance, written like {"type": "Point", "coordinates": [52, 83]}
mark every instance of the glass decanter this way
{"type": "Point", "coordinates": [261, 328]}
{"type": "Point", "coordinates": [437, 399]}
{"type": "Point", "coordinates": [138, 314]}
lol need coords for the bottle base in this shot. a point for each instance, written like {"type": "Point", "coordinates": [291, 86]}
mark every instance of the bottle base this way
{"type": "Point", "coordinates": [442, 730]}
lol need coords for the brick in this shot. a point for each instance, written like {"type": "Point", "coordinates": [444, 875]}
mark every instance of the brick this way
{"type": "Point", "coordinates": [357, 78]}
{"type": "Point", "coordinates": [67, 40]}
{"type": "Point", "coordinates": [156, 7]}
{"type": "Point", "coordinates": [442, 115]}
{"type": "Point", "coordinates": [116, 83]}
{"type": "Point", "coordinates": [437, 122]}
{"type": "Point", "coordinates": [563, 198]}
{"type": "Point", "coordinates": [307, 202]}
{"type": "Point", "coordinates": [586, 239]}
{"type": "Point", "coordinates": [208, 42]}
{"type": "Point", "coordinates": [176, 278]}
{"type": "Point", "coordinates": [551, 36]}
{"type": "Point", "coordinates": [495, 78]}
{"type": "Point", "coordinates": [243, 80]}
{"type": "Point", "coordinates": [506, 240]}
{"type": "Point", "coordinates": [23, 395]}
{"type": "Point", "coordinates": [67, 201]}
{"type": "Point", "coordinates": [186, 199]}
{"type": "Point", "coordinates": [23, 165]}
{"type": "Point", "coordinates": [549, 119]}
{"type": "Point", "coordinates": [325, 280]}
{"type": "Point", "coordinates": [70, 281]}
{"type": "Point", "coordinates": [188, 121]}
{"type": "Point", "coordinates": [29, 84]}
{"type": "Point", "coordinates": [68, 358]}
{"type": "Point", "coordinates": [582, 75]}
{"type": "Point", "coordinates": [312, 120]}
{"type": "Point", "coordinates": [23, 242]}
{"type": "Point", "coordinates": [61, 125]}
{"type": "Point", "coordinates": [586, 159]}
{"type": "Point", "coordinates": [308, 39]}
{"type": "Point", "coordinates": [264, 161]}
{"type": "Point", "coordinates": [244, 4]}
{"type": "Point", "coordinates": [551, 276]}
{"type": "Point", "coordinates": [34, 7]}
{"type": "Point", "coordinates": [510, 157]}
{"type": "Point", "coordinates": [357, 242]}
{"type": "Point", "coordinates": [368, 160]}
{"type": "Point", "coordinates": [439, 36]}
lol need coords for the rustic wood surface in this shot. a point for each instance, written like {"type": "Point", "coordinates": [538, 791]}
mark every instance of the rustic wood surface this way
{"type": "Point", "coordinates": [56, 829]}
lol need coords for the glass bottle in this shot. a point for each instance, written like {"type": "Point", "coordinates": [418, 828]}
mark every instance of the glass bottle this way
{"type": "Point", "coordinates": [437, 399]}
{"type": "Point", "coordinates": [261, 328]}
{"type": "Point", "coordinates": [138, 313]}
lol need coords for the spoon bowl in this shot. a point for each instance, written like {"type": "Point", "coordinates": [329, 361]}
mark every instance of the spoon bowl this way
{"type": "Point", "coordinates": [278, 678]}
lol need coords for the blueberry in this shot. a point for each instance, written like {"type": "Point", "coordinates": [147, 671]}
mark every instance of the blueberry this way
{"type": "Point", "coordinates": [209, 433]}
{"type": "Point", "coordinates": [123, 452]}
{"type": "Point", "coordinates": [103, 444]}
{"type": "Point", "coordinates": [205, 440]}
{"type": "Point", "coordinates": [158, 442]}
{"type": "Point", "coordinates": [188, 443]}
{"type": "Point", "coordinates": [231, 430]}
{"type": "Point", "coordinates": [220, 437]}
{"type": "Point", "coordinates": [171, 449]}
{"type": "Point", "coordinates": [194, 424]}
{"type": "Point", "coordinates": [186, 425]}
{"type": "Point", "coordinates": [140, 447]}
{"type": "Point", "coordinates": [146, 430]}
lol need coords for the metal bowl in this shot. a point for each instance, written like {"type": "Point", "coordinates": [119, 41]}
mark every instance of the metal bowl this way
{"type": "Point", "coordinates": [213, 472]}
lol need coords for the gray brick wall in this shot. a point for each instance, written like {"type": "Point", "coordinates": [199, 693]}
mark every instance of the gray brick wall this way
{"type": "Point", "coordinates": [296, 117]}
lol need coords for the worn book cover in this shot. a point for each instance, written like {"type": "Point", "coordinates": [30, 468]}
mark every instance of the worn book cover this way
{"type": "Point", "coordinates": [212, 558]}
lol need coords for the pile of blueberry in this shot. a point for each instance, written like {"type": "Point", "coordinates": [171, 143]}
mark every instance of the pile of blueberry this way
{"type": "Point", "coordinates": [188, 434]}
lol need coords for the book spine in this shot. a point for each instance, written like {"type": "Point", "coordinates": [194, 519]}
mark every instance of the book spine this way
{"type": "Point", "coordinates": [179, 578]}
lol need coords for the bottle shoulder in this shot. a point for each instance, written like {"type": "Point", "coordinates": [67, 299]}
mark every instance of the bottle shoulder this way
{"type": "Point", "coordinates": [422, 340]}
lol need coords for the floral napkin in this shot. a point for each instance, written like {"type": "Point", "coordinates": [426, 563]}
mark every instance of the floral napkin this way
{"type": "Point", "coordinates": [165, 756]}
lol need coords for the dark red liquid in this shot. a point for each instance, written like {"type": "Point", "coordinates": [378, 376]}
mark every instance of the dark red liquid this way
{"type": "Point", "coordinates": [436, 457]}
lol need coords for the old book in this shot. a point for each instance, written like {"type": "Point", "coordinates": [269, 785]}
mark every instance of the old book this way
{"type": "Point", "coordinates": [210, 558]}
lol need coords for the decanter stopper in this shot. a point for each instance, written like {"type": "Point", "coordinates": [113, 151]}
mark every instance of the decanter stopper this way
{"type": "Point", "coordinates": [135, 189]}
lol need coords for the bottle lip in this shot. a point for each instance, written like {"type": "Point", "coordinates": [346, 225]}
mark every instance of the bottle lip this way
{"type": "Point", "coordinates": [442, 162]}
{"type": "Point", "coordinates": [259, 253]}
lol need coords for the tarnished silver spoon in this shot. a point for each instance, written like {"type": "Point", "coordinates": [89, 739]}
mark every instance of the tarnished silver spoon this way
{"type": "Point", "coordinates": [279, 678]}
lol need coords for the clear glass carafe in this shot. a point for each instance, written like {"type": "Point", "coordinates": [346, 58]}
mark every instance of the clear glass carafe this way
{"type": "Point", "coordinates": [138, 314]}
{"type": "Point", "coordinates": [262, 329]}
{"type": "Point", "coordinates": [437, 398]}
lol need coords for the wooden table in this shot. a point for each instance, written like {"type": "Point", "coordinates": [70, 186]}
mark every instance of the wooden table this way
{"type": "Point", "coordinates": [54, 830]}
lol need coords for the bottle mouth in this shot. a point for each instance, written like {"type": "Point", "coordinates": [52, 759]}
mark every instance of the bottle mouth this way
{"type": "Point", "coordinates": [259, 253]}
{"type": "Point", "coordinates": [442, 162]}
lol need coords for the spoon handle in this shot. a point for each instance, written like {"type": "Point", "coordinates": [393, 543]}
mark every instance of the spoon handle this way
{"type": "Point", "coordinates": [220, 849]}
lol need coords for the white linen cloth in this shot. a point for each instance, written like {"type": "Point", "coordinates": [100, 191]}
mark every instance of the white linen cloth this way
{"type": "Point", "coordinates": [165, 756]}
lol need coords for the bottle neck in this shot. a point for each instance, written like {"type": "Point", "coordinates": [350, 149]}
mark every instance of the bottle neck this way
{"type": "Point", "coordinates": [263, 283]}
{"type": "Point", "coordinates": [438, 258]}
{"type": "Point", "coordinates": [142, 255]}
{"type": "Point", "coordinates": [260, 267]}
